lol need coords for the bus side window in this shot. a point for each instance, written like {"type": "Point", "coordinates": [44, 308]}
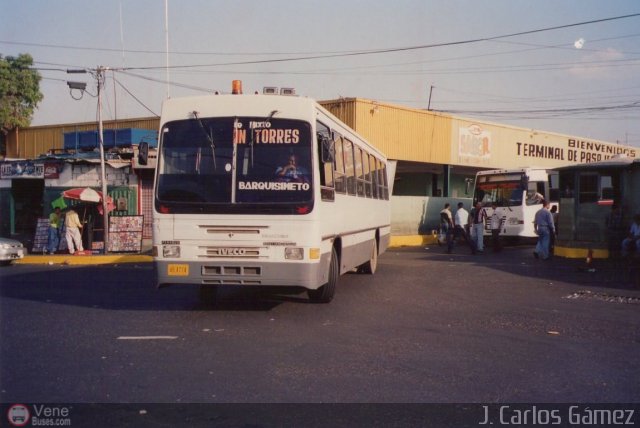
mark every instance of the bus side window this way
{"type": "Point", "coordinates": [325, 154]}
{"type": "Point", "coordinates": [373, 175]}
{"type": "Point", "coordinates": [535, 193]}
{"type": "Point", "coordinates": [360, 185]}
{"type": "Point", "coordinates": [349, 167]}
{"type": "Point", "coordinates": [367, 174]}
{"type": "Point", "coordinates": [338, 165]}
{"type": "Point", "coordinates": [382, 179]}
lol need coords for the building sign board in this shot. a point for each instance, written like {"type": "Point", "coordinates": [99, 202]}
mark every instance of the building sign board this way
{"type": "Point", "coordinates": [21, 169]}
{"type": "Point", "coordinates": [495, 146]}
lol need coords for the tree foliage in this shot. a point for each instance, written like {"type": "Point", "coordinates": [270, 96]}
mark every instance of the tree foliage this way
{"type": "Point", "coordinates": [19, 92]}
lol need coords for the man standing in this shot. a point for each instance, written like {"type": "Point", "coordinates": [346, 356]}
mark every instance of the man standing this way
{"type": "Point", "coordinates": [479, 216]}
{"type": "Point", "coordinates": [54, 231]}
{"type": "Point", "coordinates": [543, 224]}
{"type": "Point", "coordinates": [73, 235]}
{"type": "Point", "coordinates": [496, 225]}
{"type": "Point", "coordinates": [633, 240]}
{"type": "Point", "coordinates": [446, 225]}
{"type": "Point", "coordinates": [461, 220]}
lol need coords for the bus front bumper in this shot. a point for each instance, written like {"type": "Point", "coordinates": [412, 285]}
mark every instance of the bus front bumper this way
{"type": "Point", "coordinates": [247, 273]}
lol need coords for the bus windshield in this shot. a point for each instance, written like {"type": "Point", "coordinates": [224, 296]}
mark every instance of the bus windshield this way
{"type": "Point", "coordinates": [506, 190]}
{"type": "Point", "coordinates": [235, 164]}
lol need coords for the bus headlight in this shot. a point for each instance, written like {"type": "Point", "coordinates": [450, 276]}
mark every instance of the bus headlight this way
{"type": "Point", "coordinates": [171, 251]}
{"type": "Point", "coordinates": [293, 253]}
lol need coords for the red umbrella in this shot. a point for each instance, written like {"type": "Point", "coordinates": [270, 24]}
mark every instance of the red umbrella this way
{"type": "Point", "coordinates": [87, 194]}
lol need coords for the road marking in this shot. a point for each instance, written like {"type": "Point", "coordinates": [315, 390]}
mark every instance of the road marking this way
{"type": "Point", "coordinates": [147, 337]}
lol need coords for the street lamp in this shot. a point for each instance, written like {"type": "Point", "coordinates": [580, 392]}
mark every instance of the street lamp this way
{"type": "Point", "coordinates": [98, 74]}
{"type": "Point", "coordinates": [80, 86]}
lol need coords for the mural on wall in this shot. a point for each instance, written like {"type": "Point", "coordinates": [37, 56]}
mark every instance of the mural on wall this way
{"type": "Point", "coordinates": [474, 144]}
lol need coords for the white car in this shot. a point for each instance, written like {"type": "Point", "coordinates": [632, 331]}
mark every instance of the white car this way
{"type": "Point", "coordinates": [10, 250]}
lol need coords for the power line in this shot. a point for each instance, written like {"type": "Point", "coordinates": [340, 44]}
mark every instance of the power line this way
{"type": "Point", "coordinates": [386, 50]}
{"type": "Point", "coordinates": [409, 48]}
{"type": "Point", "coordinates": [135, 98]}
{"type": "Point", "coordinates": [322, 55]}
{"type": "Point", "coordinates": [578, 110]}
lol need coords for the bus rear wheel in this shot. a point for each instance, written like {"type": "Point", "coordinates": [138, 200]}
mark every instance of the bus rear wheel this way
{"type": "Point", "coordinates": [325, 293]}
{"type": "Point", "coordinates": [370, 266]}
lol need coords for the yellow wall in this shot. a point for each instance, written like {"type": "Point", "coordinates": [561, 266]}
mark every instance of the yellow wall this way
{"type": "Point", "coordinates": [400, 133]}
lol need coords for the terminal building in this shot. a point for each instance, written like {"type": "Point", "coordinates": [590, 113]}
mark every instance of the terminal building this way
{"type": "Point", "coordinates": [433, 160]}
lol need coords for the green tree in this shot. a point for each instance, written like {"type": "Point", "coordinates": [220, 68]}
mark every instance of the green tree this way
{"type": "Point", "coordinates": [19, 94]}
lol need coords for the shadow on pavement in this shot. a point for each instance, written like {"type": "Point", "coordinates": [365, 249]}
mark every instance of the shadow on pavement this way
{"type": "Point", "coordinates": [130, 287]}
{"type": "Point", "coordinates": [519, 260]}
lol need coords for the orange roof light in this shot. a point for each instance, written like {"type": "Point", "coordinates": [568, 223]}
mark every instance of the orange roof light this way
{"type": "Point", "coordinates": [236, 87]}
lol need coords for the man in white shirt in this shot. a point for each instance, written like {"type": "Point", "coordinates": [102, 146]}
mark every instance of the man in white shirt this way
{"type": "Point", "coordinates": [73, 227]}
{"type": "Point", "coordinates": [446, 225]}
{"type": "Point", "coordinates": [461, 222]}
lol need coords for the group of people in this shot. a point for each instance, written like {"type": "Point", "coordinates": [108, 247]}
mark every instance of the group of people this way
{"type": "Point", "coordinates": [71, 225]}
{"type": "Point", "coordinates": [470, 226]}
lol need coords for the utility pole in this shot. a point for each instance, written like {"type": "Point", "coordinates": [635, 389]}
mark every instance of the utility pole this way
{"type": "Point", "coordinates": [430, 92]}
{"type": "Point", "coordinates": [100, 77]}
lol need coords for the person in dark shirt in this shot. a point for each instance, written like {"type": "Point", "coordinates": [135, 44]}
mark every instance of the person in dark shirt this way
{"type": "Point", "coordinates": [543, 223]}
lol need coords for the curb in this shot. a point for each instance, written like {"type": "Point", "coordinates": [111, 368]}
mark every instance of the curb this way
{"type": "Point", "coordinates": [67, 259]}
{"type": "Point", "coordinates": [395, 242]}
{"type": "Point", "coordinates": [412, 240]}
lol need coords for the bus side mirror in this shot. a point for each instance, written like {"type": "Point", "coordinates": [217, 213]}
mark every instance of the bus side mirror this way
{"type": "Point", "coordinates": [328, 149]}
{"type": "Point", "coordinates": [143, 153]}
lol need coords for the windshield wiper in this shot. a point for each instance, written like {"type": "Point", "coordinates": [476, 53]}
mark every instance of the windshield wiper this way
{"type": "Point", "coordinates": [208, 135]}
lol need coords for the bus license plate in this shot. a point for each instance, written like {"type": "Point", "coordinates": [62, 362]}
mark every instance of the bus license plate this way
{"type": "Point", "coordinates": [178, 270]}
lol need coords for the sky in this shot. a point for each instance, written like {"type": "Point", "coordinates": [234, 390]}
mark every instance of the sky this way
{"type": "Point", "coordinates": [516, 62]}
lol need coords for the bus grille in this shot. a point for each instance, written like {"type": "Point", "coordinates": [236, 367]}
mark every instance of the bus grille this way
{"type": "Point", "coordinates": [231, 275]}
{"type": "Point", "coordinates": [231, 252]}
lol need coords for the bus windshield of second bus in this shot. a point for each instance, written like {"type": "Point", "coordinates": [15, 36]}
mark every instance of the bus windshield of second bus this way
{"type": "Point", "coordinates": [510, 189]}
{"type": "Point", "coordinates": [518, 194]}
{"type": "Point", "coordinates": [235, 164]}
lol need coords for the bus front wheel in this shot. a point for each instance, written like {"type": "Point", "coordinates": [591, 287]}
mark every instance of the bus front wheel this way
{"type": "Point", "coordinates": [325, 293]}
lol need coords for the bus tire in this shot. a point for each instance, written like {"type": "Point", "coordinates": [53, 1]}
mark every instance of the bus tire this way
{"type": "Point", "coordinates": [208, 294]}
{"type": "Point", "coordinates": [370, 266]}
{"type": "Point", "coordinates": [325, 293]}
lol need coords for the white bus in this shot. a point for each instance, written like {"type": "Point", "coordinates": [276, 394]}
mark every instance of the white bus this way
{"type": "Point", "coordinates": [265, 190]}
{"type": "Point", "coordinates": [518, 194]}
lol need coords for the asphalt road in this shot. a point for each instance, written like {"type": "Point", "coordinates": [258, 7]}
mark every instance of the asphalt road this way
{"type": "Point", "coordinates": [427, 327]}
